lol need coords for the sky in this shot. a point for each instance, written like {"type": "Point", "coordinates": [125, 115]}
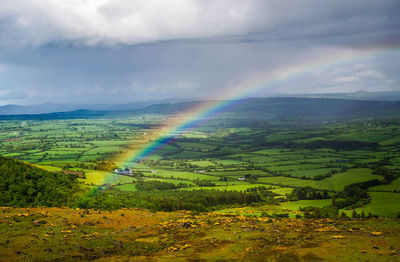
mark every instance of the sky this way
{"type": "Point", "coordinates": [120, 51]}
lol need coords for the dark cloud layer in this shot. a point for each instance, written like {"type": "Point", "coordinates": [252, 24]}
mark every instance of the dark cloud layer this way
{"type": "Point", "coordinates": [123, 51]}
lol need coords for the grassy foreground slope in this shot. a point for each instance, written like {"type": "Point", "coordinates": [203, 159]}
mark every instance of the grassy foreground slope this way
{"type": "Point", "coordinates": [60, 234]}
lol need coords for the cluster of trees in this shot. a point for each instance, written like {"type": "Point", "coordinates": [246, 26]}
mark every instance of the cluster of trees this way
{"type": "Point", "coordinates": [17, 148]}
{"type": "Point", "coordinates": [106, 166]}
{"type": "Point", "coordinates": [264, 191]}
{"type": "Point", "coordinates": [274, 215]}
{"type": "Point", "coordinates": [24, 185]}
{"type": "Point", "coordinates": [320, 212]}
{"type": "Point", "coordinates": [332, 212]}
{"type": "Point", "coordinates": [388, 175]}
{"type": "Point", "coordinates": [354, 195]}
{"type": "Point", "coordinates": [169, 200]}
{"type": "Point", "coordinates": [329, 174]}
{"type": "Point", "coordinates": [308, 193]}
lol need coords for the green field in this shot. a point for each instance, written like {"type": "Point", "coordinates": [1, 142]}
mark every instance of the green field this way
{"type": "Point", "coordinates": [202, 163]}
{"type": "Point", "coordinates": [164, 173]}
{"type": "Point", "coordinates": [335, 182]}
{"type": "Point", "coordinates": [392, 187]}
{"type": "Point", "coordinates": [312, 172]}
{"type": "Point", "coordinates": [295, 205]}
{"type": "Point", "coordinates": [239, 173]}
{"type": "Point", "coordinates": [173, 181]}
{"type": "Point", "coordinates": [264, 156]}
{"type": "Point", "coordinates": [127, 187]}
{"type": "Point", "coordinates": [101, 178]}
{"type": "Point", "coordinates": [229, 188]}
{"type": "Point", "coordinates": [384, 204]}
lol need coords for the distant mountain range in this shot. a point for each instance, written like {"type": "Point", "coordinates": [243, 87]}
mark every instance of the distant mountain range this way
{"type": "Point", "coordinates": [250, 108]}
{"type": "Point", "coordinates": [358, 95]}
{"type": "Point", "coordinates": [55, 108]}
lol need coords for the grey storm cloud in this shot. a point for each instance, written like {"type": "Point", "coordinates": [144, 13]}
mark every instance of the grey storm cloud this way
{"type": "Point", "coordinates": [107, 22]}
{"type": "Point", "coordinates": [103, 51]}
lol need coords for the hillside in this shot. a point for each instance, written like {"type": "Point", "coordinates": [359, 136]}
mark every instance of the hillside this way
{"type": "Point", "coordinates": [24, 185]}
{"type": "Point", "coordinates": [64, 107]}
{"type": "Point", "coordinates": [60, 234]}
{"type": "Point", "coordinates": [261, 108]}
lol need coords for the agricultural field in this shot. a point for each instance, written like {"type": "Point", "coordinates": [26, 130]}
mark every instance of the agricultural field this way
{"type": "Point", "coordinates": [383, 203]}
{"type": "Point", "coordinates": [281, 158]}
{"type": "Point", "coordinates": [392, 187]}
{"type": "Point", "coordinates": [336, 182]}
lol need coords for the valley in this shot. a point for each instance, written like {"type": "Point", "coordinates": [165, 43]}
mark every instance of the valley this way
{"type": "Point", "coordinates": [243, 188]}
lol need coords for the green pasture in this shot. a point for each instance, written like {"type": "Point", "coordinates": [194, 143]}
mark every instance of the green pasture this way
{"type": "Point", "coordinates": [164, 173]}
{"type": "Point", "coordinates": [126, 187]}
{"type": "Point", "coordinates": [317, 159]}
{"type": "Point", "coordinates": [112, 143]}
{"type": "Point", "coordinates": [239, 173]}
{"type": "Point", "coordinates": [310, 139]}
{"type": "Point", "coordinates": [282, 191]}
{"type": "Point", "coordinates": [285, 136]}
{"type": "Point", "coordinates": [61, 163]}
{"type": "Point", "coordinates": [227, 162]}
{"type": "Point", "coordinates": [98, 178]}
{"type": "Point", "coordinates": [240, 156]}
{"type": "Point", "coordinates": [279, 163]}
{"type": "Point", "coordinates": [311, 172]}
{"type": "Point", "coordinates": [188, 155]}
{"type": "Point", "coordinates": [195, 134]}
{"type": "Point", "coordinates": [396, 168]}
{"type": "Point", "coordinates": [89, 157]}
{"type": "Point", "coordinates": [227, 188]}
{"type": "Point", "coordinates": [229, 150]}
{"type": "Point", "coordinates": [202, 163]}
{"type": "Point", "coordinates": [298, 155]}
{"type": "Point", "coordinates": [50, 168]}
{"type": "Point", "coordinates": [295, 167]}
{"type": "Point", "coordinates": [393, 186]}
{"type": "Point", "coordinates": [103, 150]}
{"type": "Point", "coordinates": [230, 183]}
{"type": "Point", "coordinates": [259, 159]}
{"type": "Point", "coordinates": [295, 205]}
{"type": "Point", "coordinates": [270, 152]}
{"type": "Point", "coordinates": [172, 181]}
{"type": "Point", "coordinates": [383, 204]}
{"type": "Point", "coordinates": [336, 182]}
{"type": "Point", "coordinates": [155, 157]}
{"type": "Point", "coordinates": [196, 145]}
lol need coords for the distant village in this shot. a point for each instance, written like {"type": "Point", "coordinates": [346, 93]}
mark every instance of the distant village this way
{"type": "Point", "coordinates": [128, 172]}
{"type": "Point", "coordinates": [125, 172]}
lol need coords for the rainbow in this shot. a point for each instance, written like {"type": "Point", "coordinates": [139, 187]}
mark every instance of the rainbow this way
{"type": "Point", "coordinates": [253, 87]}
{"type": "Point", "coordinates": [245, 89]}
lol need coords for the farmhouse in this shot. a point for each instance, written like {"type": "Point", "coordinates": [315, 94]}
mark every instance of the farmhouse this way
{"type": "Point", "coordinates": [125, 172]}
{"type": "Point", "coordinates": [241, 178]}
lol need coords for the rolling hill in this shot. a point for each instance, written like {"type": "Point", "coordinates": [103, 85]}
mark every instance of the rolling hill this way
{"type": "Point", "coordinates": [23, 185]}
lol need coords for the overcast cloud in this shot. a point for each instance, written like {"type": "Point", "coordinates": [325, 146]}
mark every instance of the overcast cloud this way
{"type": "Point", "coordinates": [103, 51]}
